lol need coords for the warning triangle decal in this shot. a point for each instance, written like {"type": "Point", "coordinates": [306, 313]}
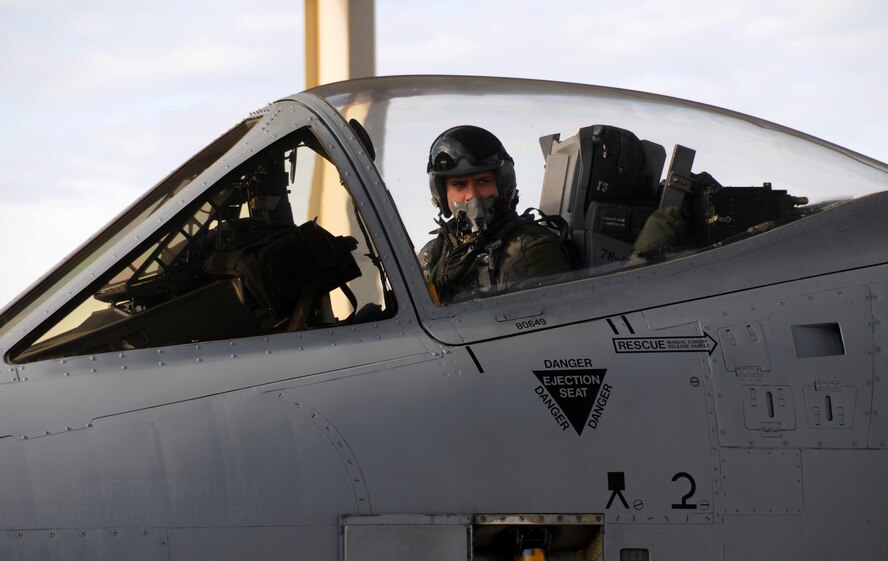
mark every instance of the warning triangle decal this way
{"type": "Point", "coordinates": [574, 391]}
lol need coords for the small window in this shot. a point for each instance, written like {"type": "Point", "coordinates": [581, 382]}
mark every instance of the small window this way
{"type": "Point", "coordinates": [820, 339]}
{"type": "Point", "coordinates": [277, 245]}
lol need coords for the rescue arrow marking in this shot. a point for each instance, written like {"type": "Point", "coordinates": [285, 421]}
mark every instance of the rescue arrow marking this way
{"type": "Point", "coordinates": [693, 344]}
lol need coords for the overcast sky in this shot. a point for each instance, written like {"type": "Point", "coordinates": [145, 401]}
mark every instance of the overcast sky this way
{"type": "Point", "coordinates": [100, 99]}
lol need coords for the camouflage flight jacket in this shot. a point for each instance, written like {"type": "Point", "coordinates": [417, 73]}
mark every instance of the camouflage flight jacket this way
{"type": "Point", "coordinates": [512, 251]}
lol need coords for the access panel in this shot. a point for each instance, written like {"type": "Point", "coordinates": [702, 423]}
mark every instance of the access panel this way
{"type": "Point", "coordinates": [481, 537]}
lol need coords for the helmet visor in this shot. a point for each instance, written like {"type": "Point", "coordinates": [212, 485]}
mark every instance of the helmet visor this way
{"type": "Point", "coordinates": [450, 157]}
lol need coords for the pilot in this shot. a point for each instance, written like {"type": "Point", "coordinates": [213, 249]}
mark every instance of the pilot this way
{"type": "Point", "coordinates": [485, 247]}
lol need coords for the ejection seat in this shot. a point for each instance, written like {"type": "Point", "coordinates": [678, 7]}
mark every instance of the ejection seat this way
{"type": "Point", "coordinates": [603, 181]}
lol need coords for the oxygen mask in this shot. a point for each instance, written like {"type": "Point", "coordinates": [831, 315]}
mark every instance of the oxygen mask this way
{"type": "Point", "coordinates": [475, 215]}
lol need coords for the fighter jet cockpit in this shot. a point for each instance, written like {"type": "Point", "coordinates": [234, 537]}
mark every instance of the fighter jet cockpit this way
{"type": "Point", "coordinates": [265, 231]}
{"type": "Point", "coordinates": [625, 179]}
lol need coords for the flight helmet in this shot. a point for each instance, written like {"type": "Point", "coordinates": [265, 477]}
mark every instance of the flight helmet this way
{"type": "Point", "coordinates": [465, 150]}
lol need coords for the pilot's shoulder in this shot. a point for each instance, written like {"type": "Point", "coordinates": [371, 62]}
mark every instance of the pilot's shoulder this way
{"type": "Point", "coordinates": [430, 252]}
{"type": "Point", "coordinates": [530, 234]}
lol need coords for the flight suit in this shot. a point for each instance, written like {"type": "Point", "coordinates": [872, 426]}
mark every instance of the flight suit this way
{"type": "Point", "coordinates": [512, 251]}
